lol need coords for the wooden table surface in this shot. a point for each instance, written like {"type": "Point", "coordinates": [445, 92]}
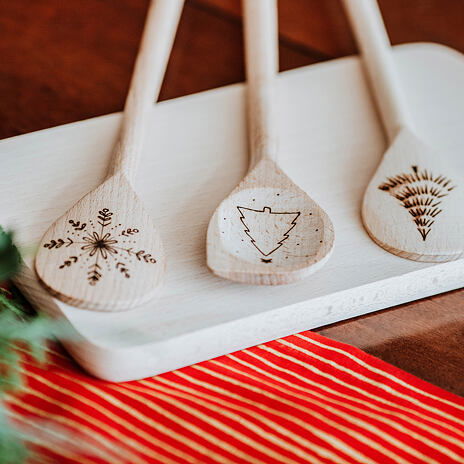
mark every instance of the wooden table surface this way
{"type": "Point", "coordinates": [63, 61]}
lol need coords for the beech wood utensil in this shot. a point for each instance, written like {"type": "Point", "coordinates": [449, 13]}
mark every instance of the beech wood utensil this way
{"type": "Point", "coordinates": [268, 230]}
{"type": "Point", "coordinates": [105, 253]}
{"type": "Point", "coordinates": [413, 206]}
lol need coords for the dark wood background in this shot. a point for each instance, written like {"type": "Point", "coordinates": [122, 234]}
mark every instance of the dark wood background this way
{"type": "Point", "coordinates": [62, 61]}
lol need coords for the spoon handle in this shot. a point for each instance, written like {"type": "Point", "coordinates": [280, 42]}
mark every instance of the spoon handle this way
{"type": "Point", "coordinates": [372, 39]}
{"type": "Point", "coordinates": [157, 40]}
{"type": "Point", "coordinates": [261, 53]}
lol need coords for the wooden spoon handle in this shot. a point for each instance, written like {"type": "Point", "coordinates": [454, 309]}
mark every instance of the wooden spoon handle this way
{"type": "Point", "coordinates": [372, 39]}
{"type": "Point", "coordinates": [157, 40]}
{"type": "Point", "coordinates": [261, 46]}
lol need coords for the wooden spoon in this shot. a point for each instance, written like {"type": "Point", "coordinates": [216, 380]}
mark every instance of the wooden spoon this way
{"type": "Point", "coordinates": [104, 253]}
{"type": "Point", "coordinates": [413, 204]}
{"type": "Point", "coordinates": [267, 231]}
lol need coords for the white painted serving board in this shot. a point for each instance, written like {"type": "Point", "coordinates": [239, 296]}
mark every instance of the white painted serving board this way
{"type": "Point", "coordinates": [195, 155]}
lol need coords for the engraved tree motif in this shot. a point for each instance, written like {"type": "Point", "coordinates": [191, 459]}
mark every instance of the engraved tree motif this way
{"type": "Point", "coordinates": [101, 246]}
{"type": "Point", "coordinates": [421, 194]}
{"type": "Point", "coordinates": [267, 229]}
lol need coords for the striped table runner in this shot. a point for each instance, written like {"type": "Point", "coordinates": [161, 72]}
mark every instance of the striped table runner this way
{"type": "Point", "coordinates": [301, 399]}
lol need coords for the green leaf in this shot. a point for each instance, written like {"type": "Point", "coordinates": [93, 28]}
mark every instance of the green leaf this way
{"type": "Point", "coordinates": [17, 325]}
{"type": "Point", "coordinates": [10, 259]}
{"type": "Point", "coordinates": [7, 303]}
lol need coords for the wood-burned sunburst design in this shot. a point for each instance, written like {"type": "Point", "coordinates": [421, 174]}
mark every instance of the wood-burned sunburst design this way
{"type": "Point", "coordinates": [421, 193]}
{"type": "Point", "coordinates": [101, 246]}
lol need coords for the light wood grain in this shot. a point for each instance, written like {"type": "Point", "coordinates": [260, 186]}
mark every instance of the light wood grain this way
{"type": "Point", "coordinates": [105, 253]}
{"type": "Point", "coordinates": [262, 65]}
{"type": "Point", "coordinates": [157, 40]}
{"type": "Point", "coordinates": [374, 45]}
{"type": "Point", "coordinates": [268, 231]}
{"type": "Point", "coordinates": [197, 315]}
{"type": "Point", "coordinates": [413, 205]}
{"type": "Point", "coordinates": [63, 40]}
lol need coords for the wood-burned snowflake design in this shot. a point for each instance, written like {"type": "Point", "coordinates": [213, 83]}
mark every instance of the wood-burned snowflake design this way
{"type": "Point", "coordinates": [421, 193]}
{"type": "Point", "coordinates": [267, 229]}
{"type": "Point", "coordinates": [101, 246]}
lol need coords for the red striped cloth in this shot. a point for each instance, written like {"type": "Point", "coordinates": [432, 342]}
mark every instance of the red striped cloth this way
{"type": "Point", "coordinates": [301, 399]}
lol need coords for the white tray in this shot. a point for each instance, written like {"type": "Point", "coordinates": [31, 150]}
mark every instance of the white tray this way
{"type": "Point", "coordinates": [196, 154]}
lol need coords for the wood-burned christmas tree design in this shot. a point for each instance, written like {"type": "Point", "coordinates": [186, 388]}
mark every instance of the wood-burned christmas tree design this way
{"type": "Point", "coordinates": [421, 193]}
{"type": "Point", "coordinates": [267, 229]}
{"type": "Point", "coordinates": [99, 246]}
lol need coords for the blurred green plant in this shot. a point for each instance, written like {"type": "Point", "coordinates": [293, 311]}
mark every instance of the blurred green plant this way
{"type": "Point", "coordinates": [10, 260]}
{"type": "Point", "coordinates": [17, 325]}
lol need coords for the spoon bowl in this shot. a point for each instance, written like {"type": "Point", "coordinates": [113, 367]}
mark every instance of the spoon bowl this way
{"type": "Point", "coordinates": [268, 231]}
{"type": "Point", "coordinates": [91, 255]}
{"type": "Point", "coordinates": [412, 206]}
